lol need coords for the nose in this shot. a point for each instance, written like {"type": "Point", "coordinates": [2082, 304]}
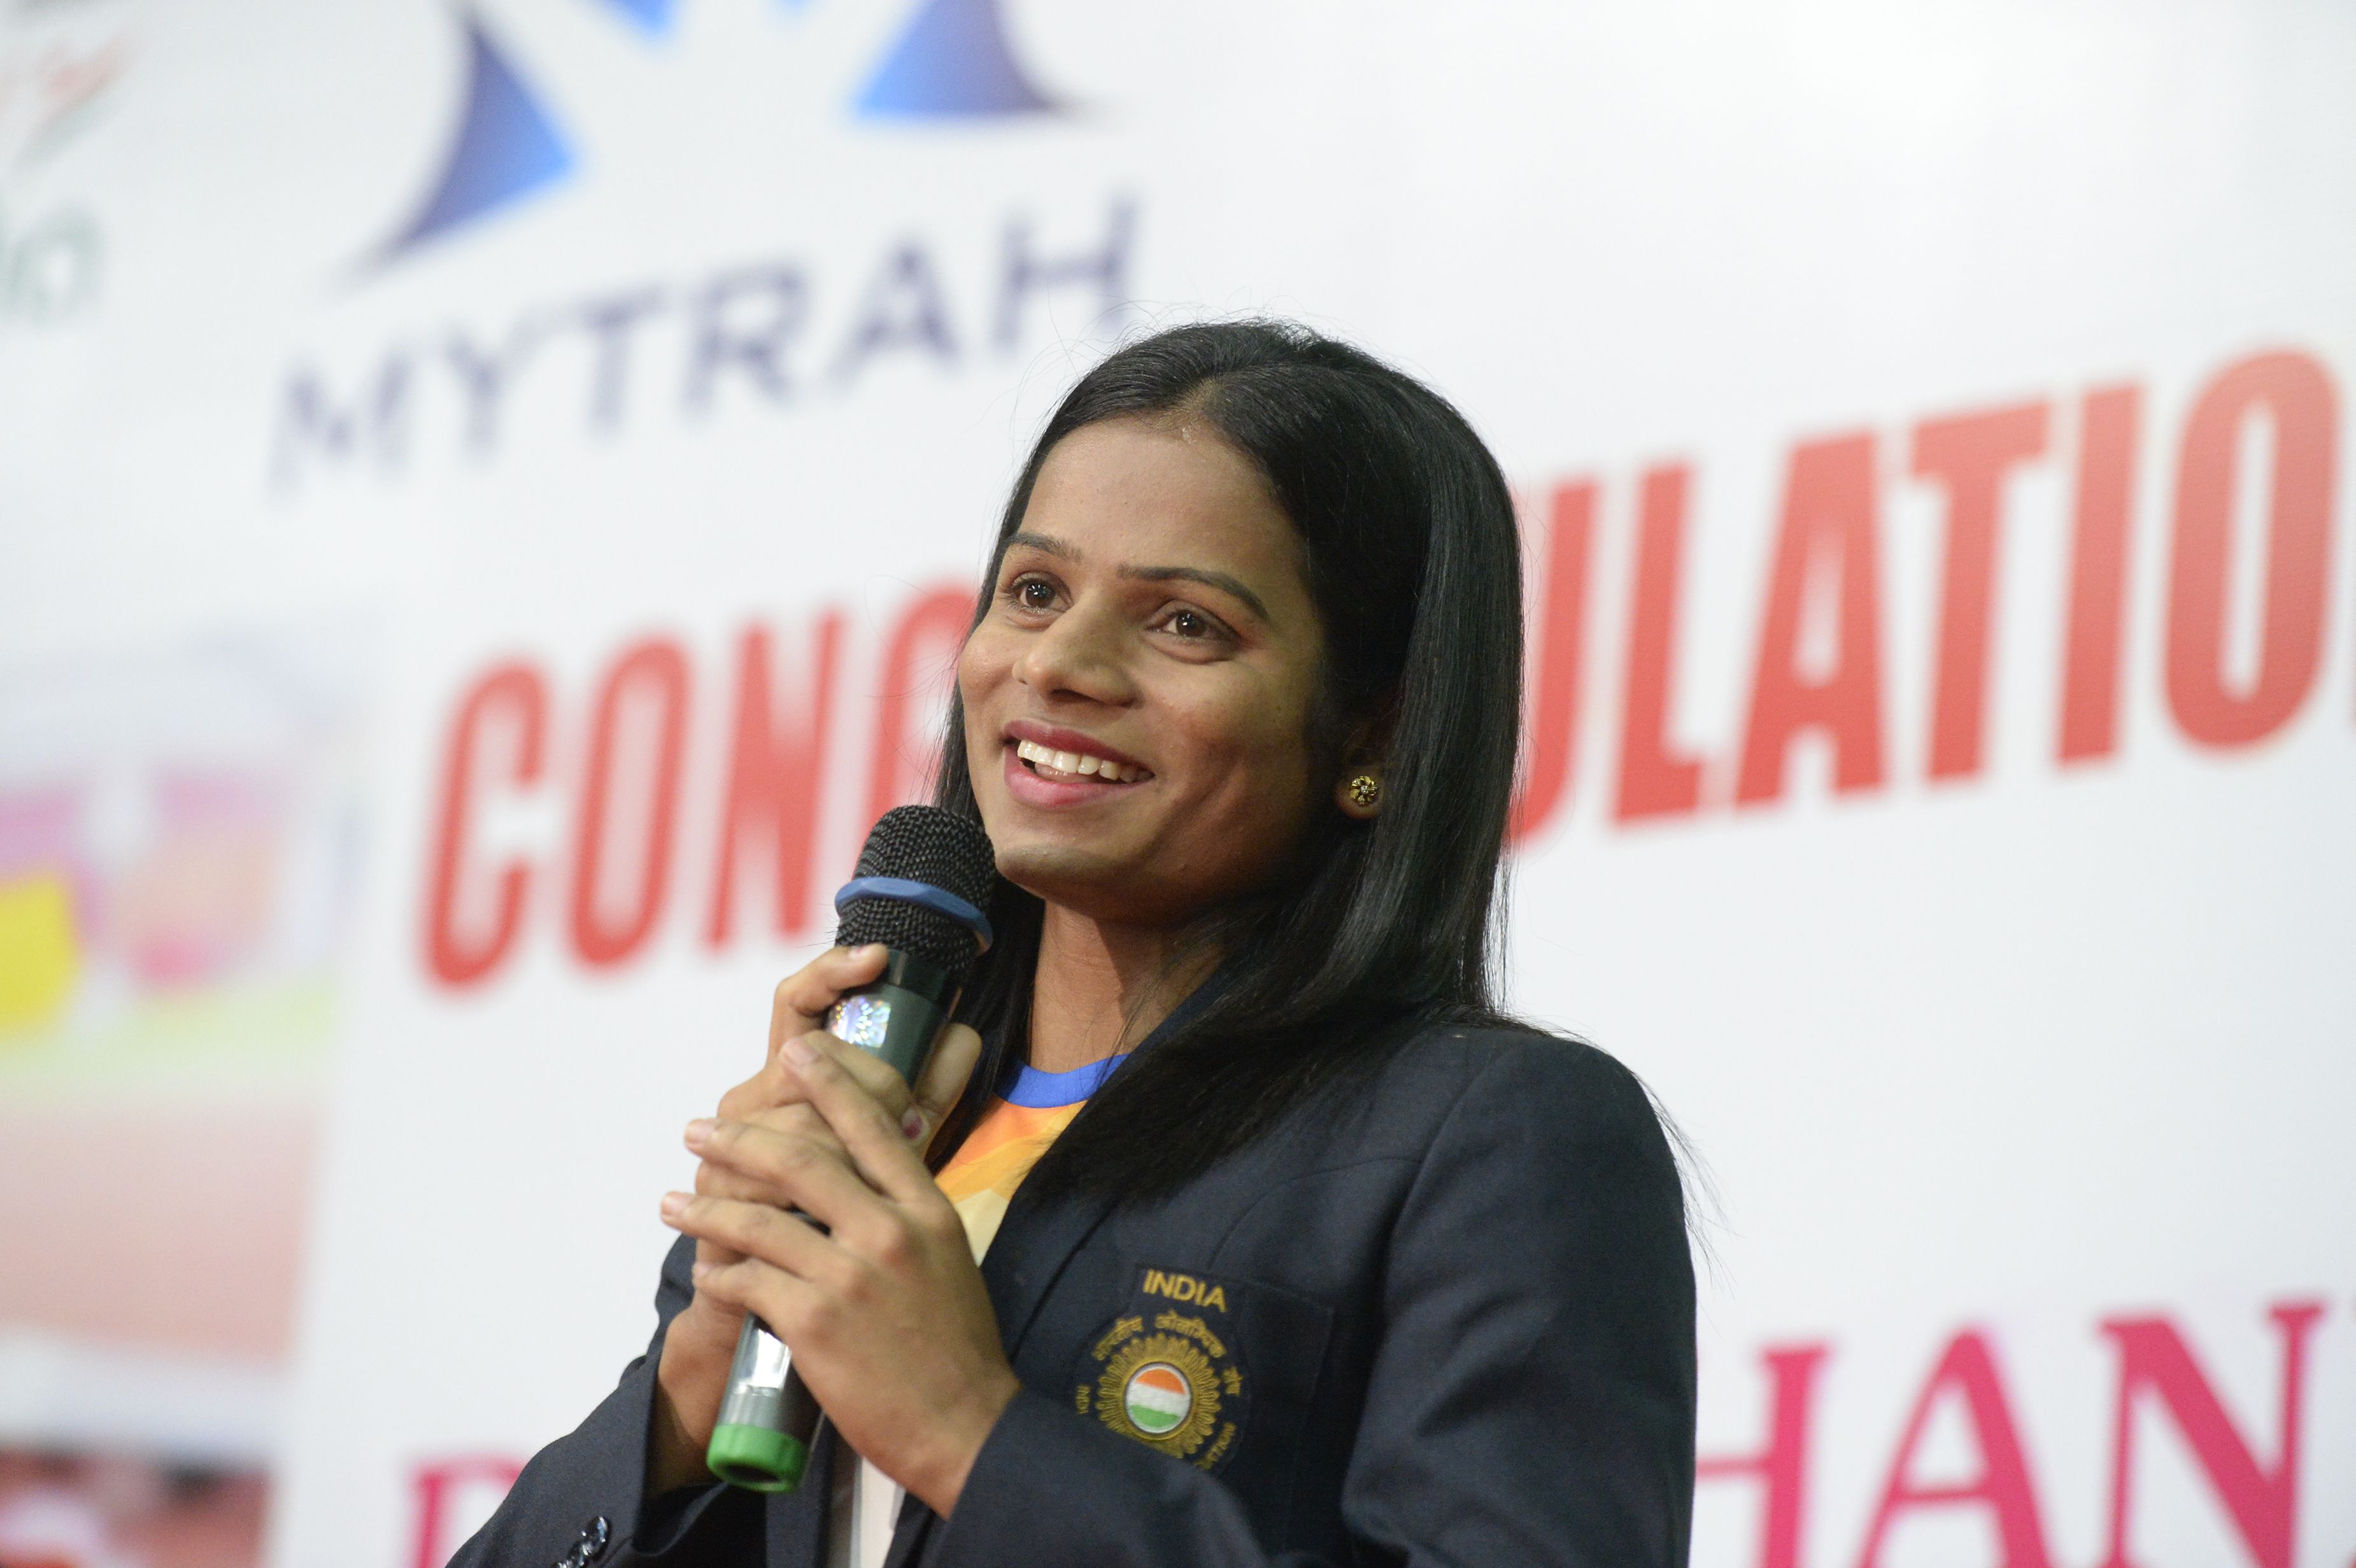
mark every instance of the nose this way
{"type": "Point", "coordinates": [1082, 654]}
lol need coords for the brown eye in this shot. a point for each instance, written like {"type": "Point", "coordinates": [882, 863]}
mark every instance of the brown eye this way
{"type": "Point", "coordinates": [1185, 625]}
{"type": "Point", "coordinates": [1033, 594]}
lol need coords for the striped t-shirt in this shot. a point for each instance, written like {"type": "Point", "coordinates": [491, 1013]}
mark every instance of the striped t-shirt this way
{"type": "Point", "coordinates": [979, 1178]}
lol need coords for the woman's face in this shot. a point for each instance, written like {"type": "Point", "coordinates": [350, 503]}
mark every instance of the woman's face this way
{"type": "Point", "coordinates": [1137, 699]}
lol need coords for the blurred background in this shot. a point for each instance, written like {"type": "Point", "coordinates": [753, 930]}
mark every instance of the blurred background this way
{"type": "Point", "coordinates": [491, 488]}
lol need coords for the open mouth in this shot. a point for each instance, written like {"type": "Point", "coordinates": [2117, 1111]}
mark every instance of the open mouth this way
{"type": "Point", "coordinates": [1063, 767]}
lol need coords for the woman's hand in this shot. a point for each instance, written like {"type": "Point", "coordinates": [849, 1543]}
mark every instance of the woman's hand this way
{"type": "Point", "coordinates": [702, 1339]}
{"type": "Point", "coordinates": [884, 1309]}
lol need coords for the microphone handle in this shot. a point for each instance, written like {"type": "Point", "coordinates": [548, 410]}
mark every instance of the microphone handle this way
{"type": "Point", "coordinates": [768, 1417]}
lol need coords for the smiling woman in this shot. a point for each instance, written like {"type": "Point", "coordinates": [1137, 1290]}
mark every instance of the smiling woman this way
{"type": "Point", "coordinates": [1151, 613]}
{"type": "Point", "coordinates": [1246, 1229]}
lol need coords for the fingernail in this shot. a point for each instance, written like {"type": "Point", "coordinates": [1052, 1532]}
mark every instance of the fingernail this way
{"type": "Point", "coordinates": [674, 1204]}
{"type": "Point", "coordinates": [699, 1132]}
{"type": "Point", "coordinates": [799, 1053]}
{"type": "Point", "coordinates": [912, 1125]}
{"type": "Point", "coordinates": [698, 1273]}
{"type": "Point", "coordinates": [872, 950]}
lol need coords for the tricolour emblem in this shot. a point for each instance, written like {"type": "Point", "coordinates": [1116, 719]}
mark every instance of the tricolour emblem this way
{"type": "Point", "coordinates": [1157, 1399]}
{"type": "Point", "coordinates": [1167, 1380]}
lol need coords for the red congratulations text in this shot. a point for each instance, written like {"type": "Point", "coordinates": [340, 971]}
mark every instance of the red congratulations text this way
{"type": "Point", "coordinates": [645, 842]}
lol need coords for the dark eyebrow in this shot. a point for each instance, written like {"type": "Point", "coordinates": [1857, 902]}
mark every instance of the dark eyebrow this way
{"type": "Point", "coordinates": [1219, 580]}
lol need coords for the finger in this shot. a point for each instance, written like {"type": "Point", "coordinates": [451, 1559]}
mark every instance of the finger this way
{"type": "Point", "coordinates": [777, 1091]}
{"type": "Point", "coordinates": [794, 1116]}
{"type": "Point", "coordinates": [802, 998]}
{"type": "Point", "coordinates": [877, 1144]}
{"type": "Point", "coordinates": [869, 1071]}
{"type": "Point", "coordinates": [798, 1116]}
{"type": "Point", "coordinates": [759, 1231]}
{"type": "Point", "coordinates": [714, 1179]}
{"type": "Point", "coordinates": [778, 1299]}
{"type": "Point", "coordinates": [800, 1172]}
{"type": "Point", "coordinates": [713, 1252]}
{"type": "Point", "coordinates": [944, 1078]}
{"type": "Point", "coordinates": [770, 1089]}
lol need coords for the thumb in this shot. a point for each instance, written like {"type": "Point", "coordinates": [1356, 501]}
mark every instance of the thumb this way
{"type": "Point", "coordinates": [943, 1079]}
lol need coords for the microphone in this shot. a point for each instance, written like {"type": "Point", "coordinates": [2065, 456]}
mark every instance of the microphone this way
{"type": "Point", "coordinates": [923, 881]}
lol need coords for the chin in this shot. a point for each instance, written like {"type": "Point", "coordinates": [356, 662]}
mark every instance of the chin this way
{"type": "Point", "coordinates": [1097, 887]}
{"type": "Point", "coordinates": [1062, 872]}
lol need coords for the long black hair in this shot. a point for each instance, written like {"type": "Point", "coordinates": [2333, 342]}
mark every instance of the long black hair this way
{"type": "Point", "coordinates": [1374, 928]}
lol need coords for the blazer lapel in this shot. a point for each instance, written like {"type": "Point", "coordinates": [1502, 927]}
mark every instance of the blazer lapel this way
{"type": "Point", "coordinates": [1033, 1244]}
{"type": "Point", "coordinates": [1038, 1237]}
{"type": "Point", "coordinates": [1035, 1241]}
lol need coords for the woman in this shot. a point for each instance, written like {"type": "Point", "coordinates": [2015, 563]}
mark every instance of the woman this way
{"type": "Point", "coordinates": [1338, 1264]}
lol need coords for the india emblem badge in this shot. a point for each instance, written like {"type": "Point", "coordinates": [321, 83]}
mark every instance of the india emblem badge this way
{"type": "Point", "coordinates": [1166, 1379]}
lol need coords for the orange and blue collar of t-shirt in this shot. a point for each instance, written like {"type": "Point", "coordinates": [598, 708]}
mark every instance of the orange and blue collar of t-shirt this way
{"type": "Point", "coordinates": [1021, 1124]}
{"type": "Point", "coordinates": [1039, 1090]}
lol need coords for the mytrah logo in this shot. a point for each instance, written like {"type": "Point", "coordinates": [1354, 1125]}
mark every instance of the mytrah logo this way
{"type": "Point", "coordinates": [795, 304]}
{"type": "Point", "coordinates": [950, 62]}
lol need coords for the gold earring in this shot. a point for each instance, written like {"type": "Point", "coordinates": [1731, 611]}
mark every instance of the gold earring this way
{"type": "Point", "coordinates": [1365, 790]}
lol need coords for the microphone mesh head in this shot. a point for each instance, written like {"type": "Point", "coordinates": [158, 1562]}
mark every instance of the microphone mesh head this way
{"type": "Point", "coordinates": [923, 844]}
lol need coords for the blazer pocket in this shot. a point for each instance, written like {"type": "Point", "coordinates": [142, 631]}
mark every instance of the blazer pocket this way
{"type": "Point", "coordinates": [1211, 1370]}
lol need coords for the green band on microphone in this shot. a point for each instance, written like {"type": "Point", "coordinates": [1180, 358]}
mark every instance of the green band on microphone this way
{"type": "Point", "coordinates": [757, 1458]}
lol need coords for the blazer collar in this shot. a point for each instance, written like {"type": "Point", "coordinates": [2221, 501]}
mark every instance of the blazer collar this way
{"type": "Point", "coordinates": [1038, 1235]}
{"type": "Point", "coordinates": [1035, 1240]}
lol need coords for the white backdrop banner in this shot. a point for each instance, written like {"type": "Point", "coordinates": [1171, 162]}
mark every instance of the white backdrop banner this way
{"type": "Point", "coordinates": [1931, 425]}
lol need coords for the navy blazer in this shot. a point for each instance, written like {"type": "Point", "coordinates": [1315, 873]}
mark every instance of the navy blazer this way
{"type": "Point", "coordinates": [1447, 1322]}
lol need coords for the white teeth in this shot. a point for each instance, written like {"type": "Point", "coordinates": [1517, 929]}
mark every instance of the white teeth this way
{"type": "Point", "coordinates": [1079, 765]}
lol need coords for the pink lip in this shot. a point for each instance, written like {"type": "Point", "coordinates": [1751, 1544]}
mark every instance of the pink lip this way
{"type": "Point", "coordinates": [1057, 739]}
{"type": "Point", "coordinates": [1057, 794]}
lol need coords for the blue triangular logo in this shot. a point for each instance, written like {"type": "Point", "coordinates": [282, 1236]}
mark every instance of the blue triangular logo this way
{"type": "Point", "coordinates": [506, 147]}
{"type": "Point", "coordinates": [953, 60]}
{"type": "Point", "coordinates": [653, 17]}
